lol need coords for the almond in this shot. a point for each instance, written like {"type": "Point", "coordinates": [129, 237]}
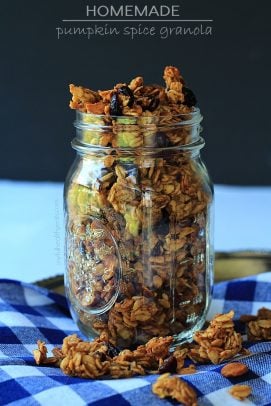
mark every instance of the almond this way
{"type": "Point", "coordinates": [234, 369]}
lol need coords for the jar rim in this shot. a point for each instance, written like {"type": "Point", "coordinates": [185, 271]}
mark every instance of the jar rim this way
{"type": "Point", "coordinates": [85, 148]}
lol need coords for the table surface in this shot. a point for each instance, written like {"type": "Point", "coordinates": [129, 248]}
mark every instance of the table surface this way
{"type": "Point", "coordinates": [32, 225]}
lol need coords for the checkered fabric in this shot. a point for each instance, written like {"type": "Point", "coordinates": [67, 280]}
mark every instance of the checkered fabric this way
{"type": "Point", "coordinates": [29, 313]}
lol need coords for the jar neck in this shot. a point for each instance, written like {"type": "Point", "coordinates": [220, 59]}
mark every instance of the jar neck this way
{"type": "Point", "coordinates": [190, 150]}
{"type": "Point", "coordinates": [148, 134]}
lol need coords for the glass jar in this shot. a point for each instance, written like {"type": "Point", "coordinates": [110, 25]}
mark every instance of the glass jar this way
{"type": "Point", "coordinates": [139, 253]}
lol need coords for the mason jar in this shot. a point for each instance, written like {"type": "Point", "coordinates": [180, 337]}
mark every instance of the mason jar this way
{"type": "Point", "coordinates": [138, 204]}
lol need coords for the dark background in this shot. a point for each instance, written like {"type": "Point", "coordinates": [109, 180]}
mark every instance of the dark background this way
{"type": "Point", "coordinates": [229, 72]}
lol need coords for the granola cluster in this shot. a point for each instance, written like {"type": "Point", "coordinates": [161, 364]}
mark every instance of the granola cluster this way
{"type": "Point", "coordinates": [176, 388]}
{"type": "Point", "coordinates": [138, 248]}
{"type": "Point", "coordinates": [137, 98]}
{"type": "Point", "coordinates": [218, 342]}
{"type": "Point", "coordinates": [91, 359]}
{"type": "Point", "coordinates": [100, 358]}
{"type": "Point", "coordinates": [137, 115]}
{"type": "Point", "coordinates": [258, 327]}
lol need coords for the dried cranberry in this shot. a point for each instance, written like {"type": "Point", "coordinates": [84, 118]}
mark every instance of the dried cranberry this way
{"type": "Point", "coordinates": [189, 97]}
{"type": "Point", "coordinates": [169, 365]}
{"type": "Point", "coordinates": [126, 91]}
{"type": "Point", "coordinates": [157, 249]}
{"type": "Point", "coordinates": [115, 109]}
{"type": "Point", "coordinates": [154, 103]}
{"type": "Point", "coordinates": [112, 350]}
{"type": "Point", "coordinates": [162, 140]}
{"type": "Point", "coordinates": [163, 227]}
{"type": "Point", "coordinates": [101, 355]}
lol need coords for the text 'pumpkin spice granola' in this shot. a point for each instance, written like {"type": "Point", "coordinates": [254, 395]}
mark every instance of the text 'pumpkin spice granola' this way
{"type": "Point", "coordinates": [138, 213]}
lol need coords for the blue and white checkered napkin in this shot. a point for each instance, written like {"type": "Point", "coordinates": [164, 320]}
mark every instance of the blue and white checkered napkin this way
{"type": "Point", "coordinates": [28, 313]}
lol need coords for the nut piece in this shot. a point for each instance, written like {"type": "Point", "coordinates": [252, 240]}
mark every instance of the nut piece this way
{"type": "Point", "coordinates": [240, 392]}
{"type": "Point", "coordinates": [40, 355]}
{"type": "Point", "coordinates": [234, 369]}
{"type": "Point", "coordinates": [176, 388]}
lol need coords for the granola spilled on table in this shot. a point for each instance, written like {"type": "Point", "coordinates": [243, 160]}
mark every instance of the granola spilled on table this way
{"type": "Point", "coordinates": [175, 388]}
{"type": "Point", "coordinates": [100, 358]}
{"type": "Point", "coordinates": [218, 342]}
{"type": "Point", "coordinates": [138, 220]}
{"type": "Point", "coordinates": [258, 327]}
{"type": "Point", "coordinates": [92, 359]}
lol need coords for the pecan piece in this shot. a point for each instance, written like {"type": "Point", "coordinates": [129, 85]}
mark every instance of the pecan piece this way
{"type": "Point", "coordinates": [115, 108]}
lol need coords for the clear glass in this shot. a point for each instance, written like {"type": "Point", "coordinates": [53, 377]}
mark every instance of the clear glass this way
{"type": "Point", "coordinates": [139, 252]}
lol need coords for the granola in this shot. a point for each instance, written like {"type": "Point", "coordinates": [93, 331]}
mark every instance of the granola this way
{"type": "Point", "coordinates": [138, 249]}
{"type": "Point", "coordinates": [259, 326]}
{"type": "Point", "coordinates": [85, 359]}
{"type": "Point", "coordinates": [92, 359]}
{"type": "Point", "coordinates": [175, 388]}
{"type": "Point", "coordinates": [136, 98]}
{"type": "Point", "coordinates": [218, 342]}
{"type": "Point", "coordinates": [98, 358]}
